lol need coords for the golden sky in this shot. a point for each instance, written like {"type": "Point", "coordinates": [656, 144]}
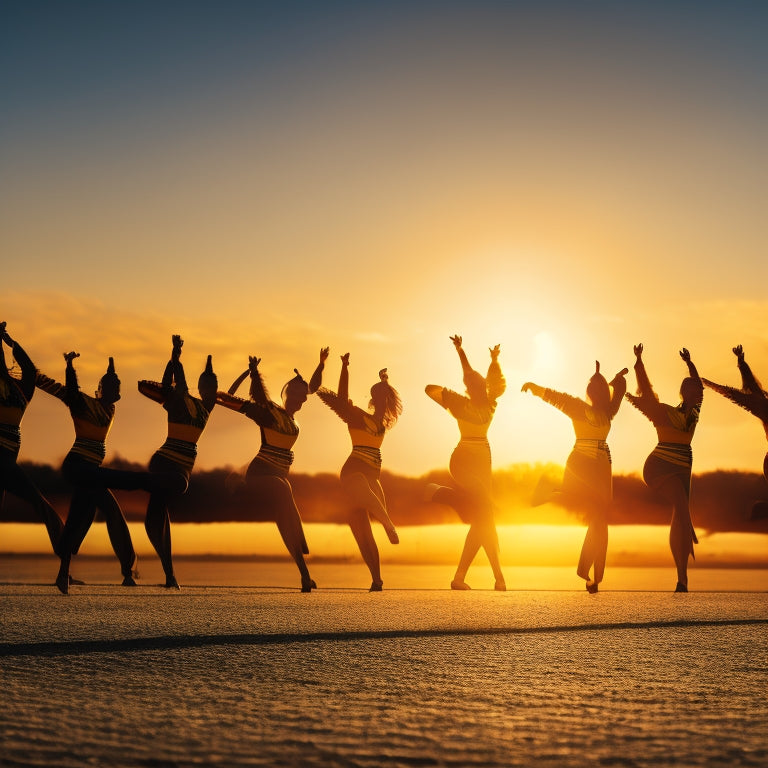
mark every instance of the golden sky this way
{"type": "Point", "coordinates": [563, 180]}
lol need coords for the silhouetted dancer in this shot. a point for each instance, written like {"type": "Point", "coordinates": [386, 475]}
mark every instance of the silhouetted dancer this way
{"type": "Point", "coordinates": [360, 473]}
{"type": "Point", "coordinates": [753, 398]}
{"type": "Point", "coordinates": [15, 395]}
{"type": "Point", "coordinates": [470, 463]}
{"type": "Point", "coordinates": [92, 418]}
{"type": "Point", "coordinates": [668, 468]}
{"type": "Point", "coordinates": [588, 480]}
{"type": "Point", "coordinates": [172, 463]}
{"type": "Point", "coordinates": [266, 480]}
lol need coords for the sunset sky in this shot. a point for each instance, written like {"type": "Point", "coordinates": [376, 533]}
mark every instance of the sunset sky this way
{"type": "Point", "coordinates": [563, 179]}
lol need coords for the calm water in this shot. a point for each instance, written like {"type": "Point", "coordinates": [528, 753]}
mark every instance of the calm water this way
{"type": "Point", "coordinates": [224, 674]}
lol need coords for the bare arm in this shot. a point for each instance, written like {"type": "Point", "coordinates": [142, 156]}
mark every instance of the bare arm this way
{"type": "Point", "coordinates": [317, 377]}
{"type": "Point", "coordinates": [619, 387]}
{"type": "Point", "coordinates": [238, 381]}
{"type": "Point", "coordinates": [748, 381]}
{"type": "Point", "coordinates": [686, 355]}
{"type": "Point", "coordinates": [465, 366]}
{"type": "Point", "coordinates": [28, 370]}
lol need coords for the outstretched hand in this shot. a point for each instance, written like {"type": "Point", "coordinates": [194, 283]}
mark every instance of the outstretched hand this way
{"type": "Point", "coordinates": [70, 356]}
{"type": "Point", "coordinates": [456, 341]}
{"type": "Point", "coordinates": [324, 352]}
{"type": "Point", "coordinates": [495, 352]}
{"type": "Point", "coordinates": [739, 352]}
{"type": "Point", "coordinates": [345, 359]}
{"type": "Point", "coordinates": [638, 350]}
{"type": "Point", "coordinates": [253, 362]}
{"type": "Point", "coordinates": [623, 372]}
{"type": "Point", "coordinates": [4, 334]}
{"type": "Point", "coordinates": [685, 354]}
{"type": "Point", "coordinates": [527, 386]}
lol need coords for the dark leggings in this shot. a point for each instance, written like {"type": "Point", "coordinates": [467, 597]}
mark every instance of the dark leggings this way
{"type": "Point", "coordinates": [170, 481]}
{"type": "Point", "coordinates": [92, 485]}
{"type": "Point", "coordinates": [14, 480]}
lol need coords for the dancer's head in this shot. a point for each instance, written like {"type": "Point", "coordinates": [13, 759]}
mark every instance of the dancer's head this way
{"type": "Point", "coordinates": [598, 391]}
{"type": "Point", "coordinates": [109, 385]}
{"type": "Point", "coordinates": [477, 390]}
{"type": "Point", "coordinates": [691, 391]}
{"type": "Point", "coordinates": [208, 383]}
{"type": "Point", "coordinates": [385, 401]}
{"type": "Point", "coordinates": [295, 392]}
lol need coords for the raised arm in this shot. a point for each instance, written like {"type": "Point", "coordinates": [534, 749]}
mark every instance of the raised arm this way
{"type": "Point", "coordinates": [692, 372]}
{"type": "Point", "coordinates": [28, 370]}
{"type": "Point", "coordinates": [317, 377]}
{"type": "Point", "coordinates": [618, 390]}
{"type": "Point", "coordinates": [748, 381]}
{"type": "Point", "coordinates": [644, 388]}
{"type": "Point", "coordinates": [465, 366]}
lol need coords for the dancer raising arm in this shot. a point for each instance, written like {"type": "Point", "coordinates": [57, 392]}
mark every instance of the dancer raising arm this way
{"type": "Point", "coordinates": [15, 395]}
{"type": "Point", "coordinates": [470, 463]}
{"type": "Point", "coordinates": [172, 463]}
{"type": "Point", "coordinates": [266, 480]}
{"type": "Point", "coordinates": [753, 398]}
{"type": "Point", "coordinates": [667, 469]}
{"type": "Point", "coordinates": [92, 418]}
{"type": "Point", "coordinates": [361, 471]}
{"type": "Point", "coordinates": [587, 481]}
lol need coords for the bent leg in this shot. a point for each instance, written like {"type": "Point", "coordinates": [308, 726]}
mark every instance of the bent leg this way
{"type": "Point", "coordinates": [276, 492]}
{"type": "Point", "coordinates": [158, 527]}
{"type": "Point", "coordinates": [681, 535]}
{"type": "Point", "coordinates": [369, 496]}
{"type": "Point", "coordinates": [594, 550]}
{"type": "Point", "coordinates": [119, 535]}
{"type": "Point", "coordinates": [361, 530]}
{"type": "Point", "coordinates": [15, 481]}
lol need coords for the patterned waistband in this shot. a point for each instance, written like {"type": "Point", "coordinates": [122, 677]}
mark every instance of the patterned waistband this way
{"type": "Point", "coordinates": [181, 452]}
{"type": "Point", "coordinates": [371, 456]}
{"type": "Point", "coordinates": [279, 458]}
{"type": "Point", "coordinates": [674, 453]}
{"type": "Point", "coordinates": [91, 450]}
{"type": "Point", "coordinates": [10, 437]}
{"type": "Point", "coordinates": [592, 446]}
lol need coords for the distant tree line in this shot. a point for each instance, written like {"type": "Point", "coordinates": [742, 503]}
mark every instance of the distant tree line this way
{"type": "Point", "coordinates": [721, 500]}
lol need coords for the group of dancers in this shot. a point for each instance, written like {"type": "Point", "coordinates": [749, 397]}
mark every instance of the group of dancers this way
{"type": "Point", "coordinates": [586, 483]}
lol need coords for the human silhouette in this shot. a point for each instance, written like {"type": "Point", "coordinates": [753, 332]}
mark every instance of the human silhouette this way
{"type": "Point", "coordinates": [172, 463]}
{"type": "Point", "coordinates": [15, 395]}
{"type": "Point", "coordinates": [587, 480]}
{"type": "Point", "coordinates": [266, 481]}
{"type": "Point", "coordinates": [92, 418]}
{"type": "Point", "coordinates": [667, 469]}
{"type": "Point", "coordinates": [753, 398]}
{"type": "Point", "coordinates": [360, 473]}
{"type": "Point", "coordinates": [470, 463]}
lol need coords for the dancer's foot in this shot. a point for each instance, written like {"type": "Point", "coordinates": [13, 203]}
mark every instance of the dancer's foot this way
{"type": "Point", "coordinates": [500, 586]}
{"type": "Point", "coordinates": [460, 585]}
{"type": "Point", "coordinates": [76, 582]}
{"type": "Point", "coordinates": [62, 582]}
{"type": "Point", "coordinates": [376, 586]}
{"type": "Point", "coordinates": [392, 536]}
{"type": "Point", "coordinates": [681, 587]}
{"type": "Point", "coordinates": [129, 581]}
{"type": "Point", "coordinates": [135, 567]}
{"type": "Point", "coordinates": [171, 583]}
{"type": "Point", "coordinates": [307, 585]}
{"type": "Point", "coordinates": [591, 587]}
